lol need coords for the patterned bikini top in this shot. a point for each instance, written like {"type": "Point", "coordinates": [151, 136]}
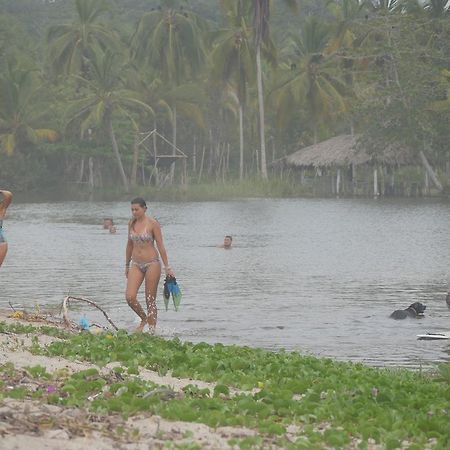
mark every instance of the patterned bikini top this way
{"type": "Point", "coordinates": [143, 237]}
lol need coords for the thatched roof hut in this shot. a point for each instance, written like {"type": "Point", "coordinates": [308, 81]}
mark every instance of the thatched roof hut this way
{"type": "Point", "coordinates": [342, 151]}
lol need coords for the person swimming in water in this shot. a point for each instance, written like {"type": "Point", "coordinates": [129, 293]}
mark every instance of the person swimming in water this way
{"type": "Point", "coordinates": [227, 242]}
{"type": "Point", "coordinates": [5, 201]}
{"type": "Point", "coordinates": [108, 222]}
{"type": "Point", "coordinates": [142, 262]}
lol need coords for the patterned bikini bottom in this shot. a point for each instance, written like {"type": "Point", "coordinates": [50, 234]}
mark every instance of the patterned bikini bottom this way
{"type": "Point", "coordinates": [145, 265]}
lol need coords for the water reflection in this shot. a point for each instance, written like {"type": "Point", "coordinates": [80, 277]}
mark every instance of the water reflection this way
{"type": "Point", "coordinates": [318, 276]}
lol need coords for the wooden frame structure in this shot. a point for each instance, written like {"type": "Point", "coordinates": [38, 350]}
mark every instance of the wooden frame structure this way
{"type": "Point", "coordinates": [160, 161]}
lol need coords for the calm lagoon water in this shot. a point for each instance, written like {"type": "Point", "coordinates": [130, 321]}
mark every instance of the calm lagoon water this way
{"type": "Point", "coordinates": [320, 276]}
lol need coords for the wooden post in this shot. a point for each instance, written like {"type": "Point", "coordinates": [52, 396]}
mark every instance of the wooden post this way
{"type": "Point", "coordinates": [228, 158]}
{"type": "Point", "coordinates": [392, 181]}
{"type": "Point", "coordinates": [91, 174]}
{"type": "Point", "coordinates": [143, 171]}
{"type": "Point", "coordinates": [201, 164]}
{"type": "Point", "coordinates": [447, 166]}
{"type": "Point", "coordinates": [155, 154]}
{"type": "Point", "coordinates": [174, 143]}
{"type": "Point", "coordinates": [430, 171]}
{"type": "Point", "coordinates": [80, 177]}
{"type": "Point", "coordinates": [338, 181]}
{"type": "Point", "coordinates": [354, 184]}
{"type": "Point", "coordinates": [185, 171]}
{"type": "Point", "coordinates": [257, 160]}
{"type": "Point", "coordinates": [134, 167]}
{"type": "Point", "coordinates": [375, 182]}
{"type": "Point", "coordinates": [194, 156]}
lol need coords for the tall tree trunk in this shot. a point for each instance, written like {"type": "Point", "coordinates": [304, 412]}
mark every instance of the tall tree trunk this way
{"type": "Point", "coordinates": [134, 167]}
{"type": "Point", "coordinates": [80, 177]}
{"type": "Point", "coordinates": [241, 142]}
{"type": "Point", "coordinates": [112, 137]}
{"type": "Point", "coordinates": [174, 149]}
{"type": "Point", "coordinates": [430, 171]}
{"type": "Point", "coordinates": [261, 112]}
{"type": "Point", "coordinates": [201, 165]}
{"type": "Point", "coordinates": [194, 156]}
{"type": "Point", "coordinates": [155, 153]}
{"type": "Point", "coordinates": [91, 174]}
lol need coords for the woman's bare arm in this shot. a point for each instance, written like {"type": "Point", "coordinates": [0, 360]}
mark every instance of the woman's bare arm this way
{"type": "Point", "coordinates": [157, 234]}
{"type": "Point", "coordinates": [7, 199]}
{"type": "Point", "coordinates": [128, 251]}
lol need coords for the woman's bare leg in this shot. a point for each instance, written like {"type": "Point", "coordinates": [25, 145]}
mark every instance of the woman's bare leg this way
{"type": "Point", "coordinates": [152, 277]}
{"type": "Point", "coordinates": [134, 281]}
{"type": "Point", "coordinates": [3, 251]}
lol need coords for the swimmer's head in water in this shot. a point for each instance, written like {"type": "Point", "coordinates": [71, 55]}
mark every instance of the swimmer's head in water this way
{"type": "Point", "coordinates": [138, 207]}
{"type": "Point", "coordinates": [107, 223]}
{"type": "Point", "coordinates": [227, 241]}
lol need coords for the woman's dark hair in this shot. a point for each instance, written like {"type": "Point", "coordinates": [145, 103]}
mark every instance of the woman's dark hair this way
{"type": "Point", "coordinates": [139, 201]}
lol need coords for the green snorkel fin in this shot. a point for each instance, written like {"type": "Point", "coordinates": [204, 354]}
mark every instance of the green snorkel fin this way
{"type": "Point", "coordinates": [171, 288]}
{"type": "Point", "coordinates": [176, 294]}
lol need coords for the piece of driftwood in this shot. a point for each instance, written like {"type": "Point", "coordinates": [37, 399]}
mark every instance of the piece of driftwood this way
{"type": "Point", "coordinates": [70, 298]}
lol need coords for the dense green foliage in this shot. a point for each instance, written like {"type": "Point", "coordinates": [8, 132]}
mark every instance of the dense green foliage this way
{"type": "Point", "coordinates": [82, 81]}
{"type": "Point", "coordinates": [332, 404]}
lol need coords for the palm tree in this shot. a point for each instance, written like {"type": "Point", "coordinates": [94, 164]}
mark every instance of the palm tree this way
{"type": "Point", "coordinates": [311, 80]}
{"type": "Point", "coordinates": [232, 59]}
{"type": "Point", "coordinates": [171, 41]}
{"type": "Point", "coordinates": [187, 98]}
{"type": "Point", "coordinates": [24, 108]}
{"type": "Point", "coordinates": [385, 6]}
{"type": "Point", "coordinates": [261, 15]}
{"type": "Point", "coordinates": [345, 12]}
{"type": "Point", "coordinates": [437, 9]}
{"type": "Point", "coordinates": [107, 98]}
{"type": "Point", "coordinates": [71, 46]}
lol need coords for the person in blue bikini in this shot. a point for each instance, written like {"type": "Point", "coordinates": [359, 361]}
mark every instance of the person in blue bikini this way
{"type": "Point", "coordinates": [142, 262]}
{"type": "Point", "coordinates": [5, 201]}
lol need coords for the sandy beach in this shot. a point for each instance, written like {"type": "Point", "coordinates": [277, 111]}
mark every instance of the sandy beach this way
{"type": "Point", "coordinates": [33, 424]}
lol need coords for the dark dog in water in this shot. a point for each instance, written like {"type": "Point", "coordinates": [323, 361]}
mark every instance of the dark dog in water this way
{"type": "Point", "coordinates": [415, 310]}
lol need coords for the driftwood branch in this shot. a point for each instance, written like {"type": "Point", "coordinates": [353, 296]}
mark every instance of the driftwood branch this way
{"type": "Point", "coordinates": [69, 298]}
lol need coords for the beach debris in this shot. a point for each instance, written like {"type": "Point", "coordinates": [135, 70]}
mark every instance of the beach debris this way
{"type": "Point", "coordinates": [70, 298]}
{"type": "Point", "coordinates": [84, 323]}
{"type": "Point", "coordinates": [163, 393]}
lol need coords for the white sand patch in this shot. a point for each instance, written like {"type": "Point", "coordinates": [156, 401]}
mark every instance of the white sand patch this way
{"type": "Point", "coordinates": [28, 424]}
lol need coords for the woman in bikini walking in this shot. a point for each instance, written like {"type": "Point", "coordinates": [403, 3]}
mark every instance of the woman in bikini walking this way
{"type": "Point", "coordinates": [142, 262]}
{"type": "Point", "coordinates": [5, 201]}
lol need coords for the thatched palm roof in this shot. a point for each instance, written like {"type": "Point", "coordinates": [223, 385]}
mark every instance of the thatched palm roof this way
{"type": "Point", "coordinates": [343, 151]}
